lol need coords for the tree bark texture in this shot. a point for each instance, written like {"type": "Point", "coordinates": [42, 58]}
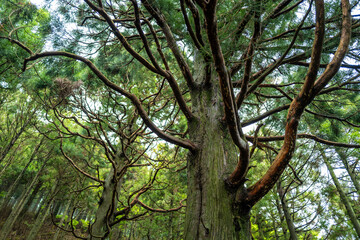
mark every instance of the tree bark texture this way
{"type": "Point", "coordinates": [212, 212]}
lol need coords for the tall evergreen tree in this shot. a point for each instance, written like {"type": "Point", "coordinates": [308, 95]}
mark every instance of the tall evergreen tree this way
{"type": "Point", "coordinates": [196, 73]}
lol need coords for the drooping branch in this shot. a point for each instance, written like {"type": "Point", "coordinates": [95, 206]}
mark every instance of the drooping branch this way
{"type": "Point", "coordinates": [159, 210]}
{"type": "Point", "coordinates": [136, 102]}
{"type": "Point", "coordinates": [20, 44]}
{"type": "Point", "coordinates": [305, 64]}
{"type": "Point", "coordinates": [342, 120]}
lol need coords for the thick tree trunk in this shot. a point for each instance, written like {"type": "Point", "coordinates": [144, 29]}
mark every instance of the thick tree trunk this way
{"type": "Point", "coordinates": [343, 197]}
{"type": "Point", "coordinates": [211, 211]}
{"type": "Point", "coordinates": [100, 228]}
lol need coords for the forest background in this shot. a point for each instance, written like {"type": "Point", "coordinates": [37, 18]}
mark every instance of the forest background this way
{"type": "Point", "coordinates": [179, 119]}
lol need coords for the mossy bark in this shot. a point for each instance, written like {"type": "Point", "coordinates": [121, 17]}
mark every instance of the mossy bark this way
{"type": "Point", "coordinates": [213, 211]}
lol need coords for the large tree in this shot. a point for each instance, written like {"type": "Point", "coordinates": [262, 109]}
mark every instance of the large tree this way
{"type": "Point", "coordinates": [213, 68]}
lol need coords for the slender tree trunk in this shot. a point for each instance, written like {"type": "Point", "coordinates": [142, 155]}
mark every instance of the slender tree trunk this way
{"type": "Point", "coordinates": [59, 233]}
{"type": "Point", "coordinates": [281, 214]}
{"type": "Point", "coordinates": [32, 198]}
{"type": "Point", "coordinates": [288, 218]}
{"type": "Point", "coordinates": [275, 228]}
{"type": "Point", "coordinates": [7, 227]}
{"type": "Point", "coordinates": [10, 160]}
{"type": "Point", "coordinates": [343, 197]}
{"type": "Point", "coordinates": [13, 187]}
{"type": "Point", "coordinates": [57, 207]}
{"type": "Point", "coordinates": [39, 222]}
{"type": "Point", "coordinates": [14, 138]}
{"type": "Point", "coordinates": [212, 211]}
{"type": "Point", "coordinates": [350, 171]}
{"type": "Point", "coordinates": [171, 227]}
{"type": "Point", "coordinates": [259, 221]}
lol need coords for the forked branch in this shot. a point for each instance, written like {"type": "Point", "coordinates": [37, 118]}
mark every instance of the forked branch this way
{"type": "Point", "coordinates": [307, 94]}
{"type": "Point", "coordinates": [136, 102]}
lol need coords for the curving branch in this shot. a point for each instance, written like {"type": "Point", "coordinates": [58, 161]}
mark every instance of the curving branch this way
{"type": "Point", "coordinates": [248, 63]}
{"type": "Point", "coordinates": [159, 210]}
{"type": "Point", "coordinates": [305, 64]}
{"type": "Point", "coordinates": [121, 38]}
{"type": "Point", "coordinates": [76, 167]}
{"type": "Point", "coordinates": [171, 42]}
{"type": "Point", "coordinates": [144, 39]}
{"type": "Point", "coordinates": [297, 107]}
{"type": "Point", "coordinates": [20, 44]}
{"type": "Point", "coordinates": [335, 64]}
{"type": "Point", "coordinates": [279, 10]}
{"type": "Point", "coordinates": [189, 28]}
{"type": "Point", "coordinates": [137, 103]}
{"type": "Point", "coordinates": [264, 115]}
{"type": "Point", "coordinates": [304, 135]}
{"type": "Point", "coordinates": [316, 51]}
{"type": "Point", "coordinates": [196, 16]}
